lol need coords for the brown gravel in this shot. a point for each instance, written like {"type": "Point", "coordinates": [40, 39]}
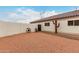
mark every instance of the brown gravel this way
{"type": "Point", "coordinates": [38, 42]}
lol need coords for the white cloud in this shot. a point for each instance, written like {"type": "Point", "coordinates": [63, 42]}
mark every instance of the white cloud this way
{"type": "Point", "coordinates": [50, 13]}
{"type": "Point", "coordinates": [23, 15]}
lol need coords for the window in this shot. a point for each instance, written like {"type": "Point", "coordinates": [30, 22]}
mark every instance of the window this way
{"type": "Point", "coordinates": [76, 22]}
{"type": "Point", "coordinates": [70, 23]}
{"type": "Point", "coordinates": [47, 24]}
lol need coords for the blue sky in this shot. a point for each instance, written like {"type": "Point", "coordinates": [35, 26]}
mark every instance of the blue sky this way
{"type": "Point", "coordinates": [38, 8]}
{"type": "Point", "coordinates": [26, 14]}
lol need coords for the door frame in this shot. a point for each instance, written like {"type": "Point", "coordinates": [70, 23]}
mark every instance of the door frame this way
{"type": "Point", "coordinates": [39, 27]}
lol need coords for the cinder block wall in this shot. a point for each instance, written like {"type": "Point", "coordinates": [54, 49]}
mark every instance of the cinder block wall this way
{"type": "Point", "coordinates": [8, 28]}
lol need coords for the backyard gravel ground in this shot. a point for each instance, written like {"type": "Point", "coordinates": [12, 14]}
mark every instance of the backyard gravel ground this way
{"type": "Point", "coordinates": [38, 42]}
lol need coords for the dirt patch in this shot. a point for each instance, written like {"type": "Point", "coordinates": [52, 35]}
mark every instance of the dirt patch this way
{"type": "Point", "coordinates": [65, 35]}
{"type": "Point", "coordinates": [38, 42]}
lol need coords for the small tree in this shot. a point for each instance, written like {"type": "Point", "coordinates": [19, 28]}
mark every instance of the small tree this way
{"type": "Point", "coordinates": [56, 24]}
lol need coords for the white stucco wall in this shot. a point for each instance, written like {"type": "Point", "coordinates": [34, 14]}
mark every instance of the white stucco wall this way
{"type": "Point", "coordinates": [64, 28]}
{"type": "Point", "coordinates": [32, 27]}
{"type": "Point", "coordinates": [43, 27]}
{"type": "Point", "coordinates": [48, 28]}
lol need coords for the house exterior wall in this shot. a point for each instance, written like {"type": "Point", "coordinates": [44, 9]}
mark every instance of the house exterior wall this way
{"type": "Point", "coordinates": [7, 28]}
{"type": "Point", "coordinates": [63, 28]}
{"type": "Point", "coordinates": [48, 28]}
{"type": "Point", "coordinates": [32, 27]}
{"type": "Point", "coordinates": [43, 27]}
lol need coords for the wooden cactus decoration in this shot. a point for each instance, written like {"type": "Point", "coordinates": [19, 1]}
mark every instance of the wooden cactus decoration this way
{"type": "Point", "coordinates": [56, 25]}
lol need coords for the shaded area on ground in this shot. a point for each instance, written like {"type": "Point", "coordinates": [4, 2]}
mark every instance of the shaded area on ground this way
{"type": "Point", "coordinates": [66, 35]}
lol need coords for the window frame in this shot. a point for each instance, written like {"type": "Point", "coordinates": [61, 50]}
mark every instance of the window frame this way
{"type": "Point", "coordinates": [71, 24]}
{"type": "Point", "coordinates": [76, 22]}
{"type": "Point", "coordinates": [47, 24]}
